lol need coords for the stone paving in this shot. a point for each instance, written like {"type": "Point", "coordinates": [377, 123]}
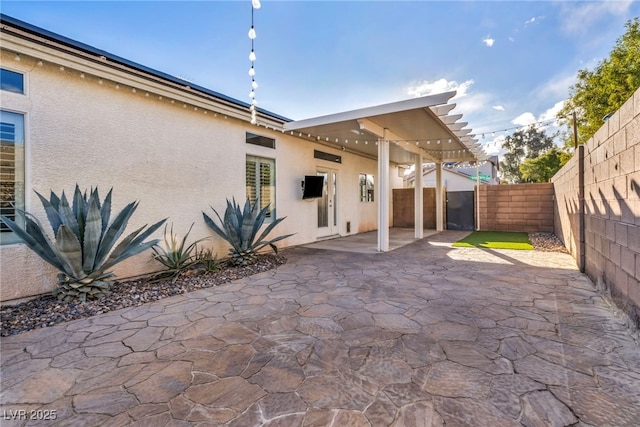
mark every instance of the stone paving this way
{"type": "Point", "coordinates": [426, 335]}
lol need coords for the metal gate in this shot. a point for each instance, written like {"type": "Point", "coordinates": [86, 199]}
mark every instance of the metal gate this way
{"type": "Point", "coordinates": [460, 210]}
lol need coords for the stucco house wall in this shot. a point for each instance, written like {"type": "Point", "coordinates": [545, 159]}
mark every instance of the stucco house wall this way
{"type": "Point", "coordinates": [175, 152]}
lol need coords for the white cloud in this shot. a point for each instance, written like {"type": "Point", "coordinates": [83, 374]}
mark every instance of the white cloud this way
{"type": "Point", "coordinates": [488, 41]}
{"type": "Point", "coordinates": [472, 103]}
{"type": "Point", "coordinates": [466, 102]}
{"type": "Point", "coordinates": [524, 119]}
{"type": "Point", "coordinates": [426, 87]}
{"type": "Point", "coordinates": [533, 20]}
{"type": "Point", "coordinates": [579, 16]}
{"type": "Point", "coordinates": [494, 147]}
{"type": "Point", "coordinates": [558, 86]}
{"type": "Point", "coordinates": [498, 107]}
{"type": "Point", "coordinates": [551, 113]}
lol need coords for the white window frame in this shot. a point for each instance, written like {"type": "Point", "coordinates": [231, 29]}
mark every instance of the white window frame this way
{"type": "Point", "coordinates": [7, 237]}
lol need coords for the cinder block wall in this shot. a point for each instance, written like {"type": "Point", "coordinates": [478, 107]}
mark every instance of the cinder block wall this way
{"type": "Point", "coordinates": [518, 207]}
{"type": "Point", "coordinates": [611, 207]}
{"type": "Point", "coordinates": [403, 207]}
{"type": "Point", "coordinates": [567, 208]}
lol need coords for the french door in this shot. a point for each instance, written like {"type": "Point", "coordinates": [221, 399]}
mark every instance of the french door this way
{"type": "Point", "coordinates": [327, 204]}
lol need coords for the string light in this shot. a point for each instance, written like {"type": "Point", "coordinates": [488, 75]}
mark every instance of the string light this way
{"type": "Point", "coordinates": [506, 130]}
{"type": "Point", "coordinates": [255, 5]}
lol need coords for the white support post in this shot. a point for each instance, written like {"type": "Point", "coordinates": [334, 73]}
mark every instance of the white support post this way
{"type": "Point", "coordinates": [383, 194]}
{"type": "Point", "coordinates": [439, 201]}
{"type": "Point", "coordinates": [477, 196]}
{"type": "Point", "coordinates": [419, 201]}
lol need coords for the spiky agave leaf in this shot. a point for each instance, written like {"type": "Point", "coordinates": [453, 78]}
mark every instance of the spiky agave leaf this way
{"type": "Point", "coordinates": [67, 216]}
{"type": "Point", "coordinates": [70, 251]}
{"type": "Point", "coordinates": [52, 212]}
{"type": "Point", "coordinates": [240, 228]}
{"type": "Point", "coordinates": [35, 239]}
{"type": "Point", "coordinates": [132, 245]}
{"type": "Point", "coordinates": [92, 235]}
{"type": "Point", "coordinates": [114, 231]}
{"type": "Point", "coordinates": [84, 241]}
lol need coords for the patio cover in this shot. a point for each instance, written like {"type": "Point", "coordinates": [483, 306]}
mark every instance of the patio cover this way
{"type": "Point", "coordinates": [405, 132]}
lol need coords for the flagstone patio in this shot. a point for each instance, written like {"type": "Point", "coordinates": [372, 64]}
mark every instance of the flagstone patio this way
{"type": "Point", "coordinates": [423, 335]}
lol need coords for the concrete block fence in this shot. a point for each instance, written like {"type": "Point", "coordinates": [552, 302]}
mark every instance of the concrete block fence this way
{"type": "Point", "coordinates": [597, 208]}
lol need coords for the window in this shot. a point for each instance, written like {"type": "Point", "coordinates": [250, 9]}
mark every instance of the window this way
{"type": "Point", "coordinates": [262, 141]}
{"type": "Point", "coordinates": [11, 81]}
{"type": "Point", "coordinates": [366, 188]}
{"type": "Point", "coordinates": [11, 169]}
{"type": "Point", "coordinates": [326, 156]}
{"type": "Point", "coordinates": [261, 183]}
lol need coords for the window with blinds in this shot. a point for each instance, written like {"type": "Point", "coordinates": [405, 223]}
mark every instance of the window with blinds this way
{"type": "Point", "coordinates": [261, 183]}
{"type": "Point", "coordinates": [11, 169]}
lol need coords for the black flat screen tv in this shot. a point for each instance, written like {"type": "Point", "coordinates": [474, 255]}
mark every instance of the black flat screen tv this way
{"type": "Point", "coordinates": [313, 186]}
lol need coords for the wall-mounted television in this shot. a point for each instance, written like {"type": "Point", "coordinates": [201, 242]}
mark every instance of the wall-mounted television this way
{"type": "Point", "coordinates": [312, 186]}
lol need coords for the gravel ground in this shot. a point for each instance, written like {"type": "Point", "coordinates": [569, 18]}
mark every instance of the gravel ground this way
{"type": "Point", "coordinates": [546, 242]}
{"type": "Point", "coordinates": [47, 310]}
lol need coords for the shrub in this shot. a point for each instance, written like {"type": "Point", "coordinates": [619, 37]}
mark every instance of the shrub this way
{"type": "Point", "coordinates": [240, 229]}
{"type": "Point", "coordinates": [83, 250]}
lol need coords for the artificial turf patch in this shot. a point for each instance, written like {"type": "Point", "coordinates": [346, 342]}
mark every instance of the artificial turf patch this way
{"type": "Point", "coordinates": [496, 240]}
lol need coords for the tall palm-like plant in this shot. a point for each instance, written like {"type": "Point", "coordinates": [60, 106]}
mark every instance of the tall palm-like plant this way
{"type": "Point", "coordinates": [240, 229]}
{"type": "Point", "coordinates": [83, 249]}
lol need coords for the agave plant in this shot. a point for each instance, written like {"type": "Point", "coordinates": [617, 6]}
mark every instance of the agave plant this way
{"type": "Point", "coordinates": [83, 249]}
{"type": "Point", "coordinates": [174, 255]}
{"type": "Point", "coordinates": [240, 228]}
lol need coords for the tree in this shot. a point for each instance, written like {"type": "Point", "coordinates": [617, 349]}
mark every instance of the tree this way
{"type": "Point", "coordinates": [543, 167]}
{"type": "Point", "coordinates": [612, 82]}
{"type": "Point", "coordinates": [524, 144]}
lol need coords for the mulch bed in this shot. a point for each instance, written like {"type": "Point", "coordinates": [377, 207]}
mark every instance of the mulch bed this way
{"type": "Point", "coordinates": [46, 310]}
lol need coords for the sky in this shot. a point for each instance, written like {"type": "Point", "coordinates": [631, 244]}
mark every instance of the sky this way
{"type": "Point", "coordinates": [511, 62]}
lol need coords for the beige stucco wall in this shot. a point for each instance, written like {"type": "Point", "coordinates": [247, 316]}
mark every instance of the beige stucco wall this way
{"type": "Point", "coordinates": [166, 153]}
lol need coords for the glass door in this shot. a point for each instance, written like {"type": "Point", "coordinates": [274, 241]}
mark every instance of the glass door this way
{"type": "Point", "coordinates": [327, 204]}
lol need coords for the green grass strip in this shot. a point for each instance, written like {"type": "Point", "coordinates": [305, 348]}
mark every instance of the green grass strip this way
{"type": "Point", "coordinates": [496, 240]}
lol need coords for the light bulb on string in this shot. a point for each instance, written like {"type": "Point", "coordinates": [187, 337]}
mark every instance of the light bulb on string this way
{"type": "Point", "coordinates": [252, 71]}
{"type": "Point", "coordinates": [252, 94]}
{"type": "Point", "coordinates": [254, 85]}
{"type": "Point", "coordinates": [252, 56]}
{"type": "Point", "coordinates": [256, 4]}
{"type": "Point", "coordinates": [252, 33]}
